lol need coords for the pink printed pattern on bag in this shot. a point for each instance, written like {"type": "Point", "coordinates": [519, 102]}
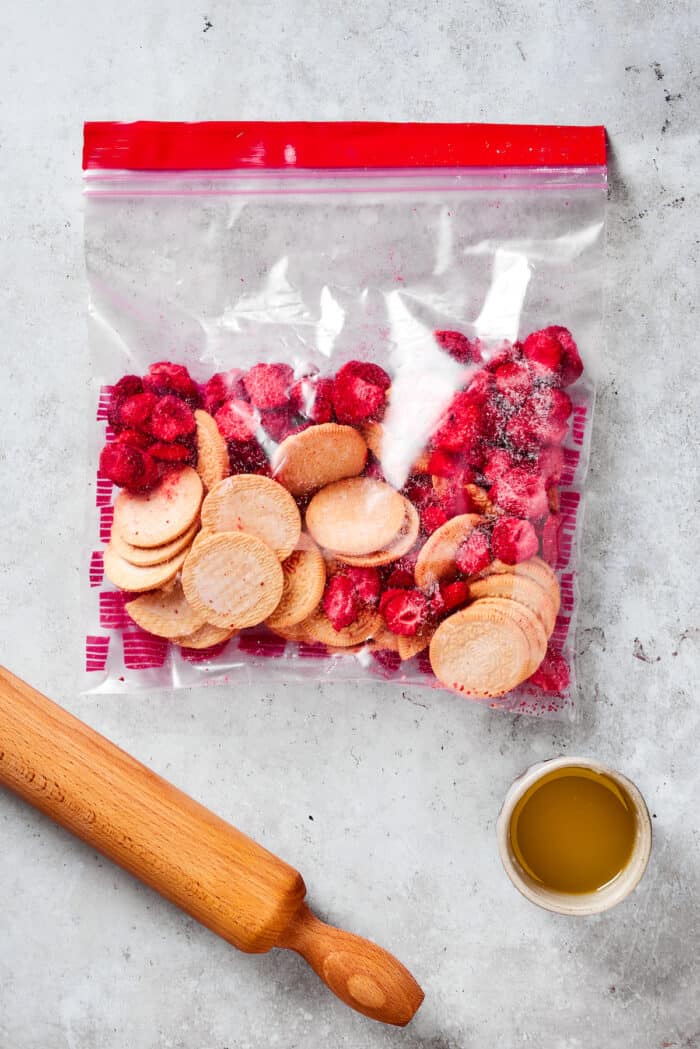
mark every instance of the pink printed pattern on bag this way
{"type": "Point", "coordinates": [204, 655]}
{"type": "Point", "coordinates": [103, 490]}
{"type": "Point", "coordinates": [578, 423]}
{"type": "Point", "coordinates": [566, 586]}
{"type": "Point", "coordinates": [104, 403]}
{"type": "Point", "coordinates": [113, 614]}
{"type": "Point", "coordinates": [97, 568]}
{"type": "Point", "coordinates": [560, 632]}
{"type": "Point", "coordinates": [568, 508]}
{"type": "Point", "coordinates": [571, 461]}
{"type": "Point", "coordinates": [106, 519]}
{"type": "Point", "coordinates": [96, 651]}
{"type": "Point", "coordinates": [143, 651]}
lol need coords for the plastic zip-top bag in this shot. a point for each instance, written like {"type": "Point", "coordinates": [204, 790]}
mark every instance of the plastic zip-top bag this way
{"type": "Point", "coordinates": [343, 378]}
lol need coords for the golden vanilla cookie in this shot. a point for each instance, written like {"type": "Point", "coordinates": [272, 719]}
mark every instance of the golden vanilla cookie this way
{"type": "Point", "coordinates": [138, 578]}
{"type": "Point", "coordinates": [519, 588]}
{"type": "Point", "coordinates": [384, 641]}
{"type": "Point", "coordinates": [318, 456]}
{"type": "Point", "coordinates": [405, 539]}
{"type": "Point", "coordinates": [212, 451]}
{"type": "Point", "coordinates": [153, 555]}
{"type": "Point", "coordinates": [411, 646]}
{"type": "Point", "coordinates": [535, 568]}
{"type": "Point", "coordinates": [480, 498]}
{"type": "Point", "coordinates": [436, 560]}
{"type": "Point", "coordinates": [205, 636]}
{"type": "Point", "coordinates": [528, 621]}
{"type": "Point", "coordinates": [356, 516]}
{"type": "Point", "coordinates": [480, 652]}
{"type": "Point", "coordinates": [165, 613]}
{"type": "Point", "coordinates": [157, 517]}
{"type": "Point", "coordinates": [255, 505]}
{"type": "Point", "coordinates": [320, 628]}
{"type": "Point", "coordinates": [373, 434]}
{"type": "Point", "coordinates": [234, 578]}
{"type": "Point", "coordinates": [304, 574]}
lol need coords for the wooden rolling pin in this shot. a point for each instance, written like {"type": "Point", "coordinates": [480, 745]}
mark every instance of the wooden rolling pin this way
{"type": "Point", "coordinates": [182, 850]}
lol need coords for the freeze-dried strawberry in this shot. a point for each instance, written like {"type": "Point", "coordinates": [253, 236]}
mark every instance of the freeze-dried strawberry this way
{"type": "Point", "coordinates": [543, 350]}
{"type": "Point", "coordinates": [171, 418]}
{"type": "Point", "coordinates": [452, 496]}
{"type": "Point", "coordinates": [165, 378]}
{"type": "Point", "coordinates": [340, 602]}
{"type": "Point", "coordinates": [135, 412]}
{"type": "Point", "coordinates": [313, 398]}
{"type": "Point", "coordinates": [454, 595]}
{"type": "Point", "coordinates": [545, 414]}
{"type": "Point", "coordinates": [236, 421]}
{"type": "Point", "coordinates": [134, 438]}
{"type": "Point", "coordinates": [513, 381]}
{"type": "Point", "coordinates": [443, 464]}
{"type": "Point", "coordinates": [366, 582]}
{"type": "Point", "coordinates": [419, 489]}
{"type": "Point", "coordinates": [520, 433]}
{"type": "Point", "coordinates": [171, 452]}
{"type": "Point", "coordinates": [520, 492]}
{"type": "Point", "coordinates": [475, 552]}
{"type": "Point", "coordinates": [460, 427]}
{"type": "Point", "coordinates": [458, 346]}
{"type": "Point", "coordinates": [128, 386]}
{"type": "Point", "coordinates": [280, 422]}
{"type": "Point", "coordinates": [495, 414]}
{"type": "Point", "coordinates": [406, 612]}
{"type": "Point", "coordinates": [553, 674]}
{"type": "Point", "coordinates": [400, 579]}
{"type": "Point", "coordinates": [388, 595]}
{"type": "Point", "coordinates": [268, 385]}
{"type": "Point", "coordinates": [498, 461]}
{"type": "Point", "coordinates": [431, 518]}
{"type": "Point", "coordinates": [508, 353]}
{"type": "Point", "coordinates": [571, 364]}
{"type": "Point", "coordinates": [553, 499]}
{"type": "Point", "coordinates": [247, 457]}
{"type": "Point", "coordinates": [550, 464]}
{"type": "Point", "coordinates": [387, 660]}
{"type": "Point", "coordinates": [550, 539]}
{"type": "Point", "coordinates": [359, 392]}
{"type": "Point", "coordinates": [222, 387]}
{"type": "Point", "coordinates": [513, 540]}
{"type": "Point", "coordinates": [480, 388]}
{"type": "Point", "coordinates": [128, 467]}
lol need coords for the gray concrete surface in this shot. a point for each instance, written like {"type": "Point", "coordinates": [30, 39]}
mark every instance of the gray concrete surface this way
{"type": "Point", "coordinates": [403, 790]}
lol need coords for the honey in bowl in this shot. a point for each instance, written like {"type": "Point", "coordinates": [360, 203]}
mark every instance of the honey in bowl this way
{"type": "Point", "coordinates": [574, 830]}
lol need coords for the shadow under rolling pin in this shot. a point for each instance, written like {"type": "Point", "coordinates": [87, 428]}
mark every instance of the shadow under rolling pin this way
{"type": "Point", "coordinates": [193, 858]}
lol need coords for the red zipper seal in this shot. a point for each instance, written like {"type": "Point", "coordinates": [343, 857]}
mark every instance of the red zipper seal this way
{"type": "Point", "coordinates": [149, 145]}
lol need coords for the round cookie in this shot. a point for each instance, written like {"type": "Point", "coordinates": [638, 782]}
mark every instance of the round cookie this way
{"type": "Point", "coordinates": [480, 652]}
{"type": "Point", "coordinates": [165, 613]}
{"type": "Point", "coordinates": [318, 456]}
{"type": "Point", "coordinates": [436, 560]}
{"type": "Point", "coordinates": [411, 646]}
{"type": "Point", "coordinates": [212, 451]}
{"type": "Point", "coordinates": [356, 516]}
{"type": "Point", "coordinates": [138, 578]}
{"type": "Point", "coordinates": [528, 621]}
{"type": "Point", "coordinates": [205, 637]}
{"type": "Point", "coordinates": [255, 505]}
{"type": "Point", "coordinates": [304, 581]}
{"type": "Point", "coordinates": [480, 498]}
{"type": "Point", "coordinates": [535, 568]}
{"type": "Point", "coordinates": [384, 641]}
{"type": "Point", "coordinates": [234, 578]}
{"type": "Point", "coordinates": [161, 515]}
{"type": "Point", "coordinates": [154, 555]}
{"type": "Point", "coordinates": [319, 627]}
{"type": "Point", "coordinates": [402, 544]}
{"type": "Point", "coordinates": [520, 588]}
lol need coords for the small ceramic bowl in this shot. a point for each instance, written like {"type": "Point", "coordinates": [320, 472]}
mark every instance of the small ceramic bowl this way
{"type": "Point", "coordinates": [575, 903]}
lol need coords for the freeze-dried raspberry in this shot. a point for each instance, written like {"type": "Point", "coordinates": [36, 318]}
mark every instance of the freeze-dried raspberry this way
{"type": "Point", "coordinates": [171, 418]}
{"type": "Point", "coordinates": [460, 427]}
{"type": "Point", "coordinates": [550, 464]}
{"type": "Point", "coordinates": [400, 579]}
{"type": "Point", "coordinates": [520, 492]}
{"type": "Point", "coordinates": [247, 457]}
{"type": "Point", "coordinates": [280, 422]}
{"type": "Point", "coordinates": [453, 497]}
{"type": "Point", "coordinates": [134, 438]}
{"type": "Point", "coordinates": [571, 364]}
{"type": "Point", "coordinates": [513, 540]}
{"type": "Point", "coordinates": [165, 378]}
{"type": "Point", "coordinates": [366, 582]}
{"type": "Point", "coordinates": [443, 464]}
{"type": "Point", "coordinates": [128, 386]}
{"type": "Point", "coordinates": [135, 412]}
{"type": "Point", "coordinates": [513, 381]}
{"type": "Point", "coordinates": [454, 595]}
{"type": "Point", "coordinates": [171, 452]}
{"type": "Point", "coordinates": [340, 602]}
{"type": "Point", "coordinates": [387, 660]}
{"type": "Point", "coordinates": [498, 461]}
{"type": "Point", "coordinates": [359, 392]}
{"type": "Point", "coordinates": [431, 518]}
{"type": "Point", "coordinates": [405, 612]}
{"type": "Point", "coordinates": [222, 387]}
{"type": "Point", "coordinates": [458, 346]}
{"type": "Point", "coordinates": [236, 421]}
{"type": "Point", "coordinates": [419, 489]}
{"type": "Point", "coordinates": [128, 467]}
{"type": "Point", "coordinates": [543, 350]}
{"type": "Point", "coordinates": [550, 539]}
{"type": "Point", "coordinates": [268, 385]}
{"type": "Point", "coordinates": [475, 552]}
{"type": "Point", "coordinates": [553, 674]}
{"type": "Point", "coordinates": [313, 398]}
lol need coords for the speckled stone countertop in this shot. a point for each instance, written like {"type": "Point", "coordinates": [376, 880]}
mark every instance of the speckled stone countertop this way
{"type": "Point", "coordinates": [388, 800]}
